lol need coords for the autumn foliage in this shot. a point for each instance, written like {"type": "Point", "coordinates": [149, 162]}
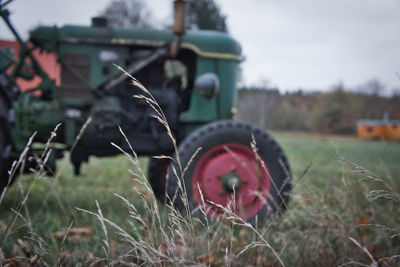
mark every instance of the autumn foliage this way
{"type": "Point", "coordinates": [335, 111]}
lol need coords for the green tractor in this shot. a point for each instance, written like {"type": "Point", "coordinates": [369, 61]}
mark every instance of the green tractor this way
{"type": "Point", "coordinates": [191, 75]}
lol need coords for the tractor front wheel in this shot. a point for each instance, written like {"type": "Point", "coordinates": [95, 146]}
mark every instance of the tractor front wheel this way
{"type": "Point", "coordinates": [228, 174]}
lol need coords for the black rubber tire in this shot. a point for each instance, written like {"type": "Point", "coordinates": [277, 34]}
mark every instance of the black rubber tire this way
{"type": "Point", "coordinates": [157, 176]}
{"type": "Point", "coordinates": [227, 131]}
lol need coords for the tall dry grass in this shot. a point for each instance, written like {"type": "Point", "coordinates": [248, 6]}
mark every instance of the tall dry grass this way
{"type": "Point", "coordinates": [353, 221]}
{"type": "Point", "coordinates": [335, 226]}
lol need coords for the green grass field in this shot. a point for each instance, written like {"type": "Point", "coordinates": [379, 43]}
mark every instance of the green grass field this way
{"type": "Point", "coordinates": [379, 157]}
{"type": "Point", "coordinates": [327, 206]}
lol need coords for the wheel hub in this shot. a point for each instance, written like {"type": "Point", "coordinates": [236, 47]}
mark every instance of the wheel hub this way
{"type": "Point", "coordinates": [231, 182]}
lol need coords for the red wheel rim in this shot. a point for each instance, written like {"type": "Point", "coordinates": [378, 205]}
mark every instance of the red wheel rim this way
{"type": "Point", "coordinates": [218, 168]}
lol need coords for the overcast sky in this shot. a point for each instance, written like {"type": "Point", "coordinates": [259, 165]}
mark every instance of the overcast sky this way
{"type": "Point", "coordinates": [308, 44]}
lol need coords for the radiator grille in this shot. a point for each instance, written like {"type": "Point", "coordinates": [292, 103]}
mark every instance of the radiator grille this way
{"type": "Point", "coordinates": [75, 76]}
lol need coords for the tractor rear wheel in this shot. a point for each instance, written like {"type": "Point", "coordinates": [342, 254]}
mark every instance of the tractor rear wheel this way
{"type": "Point", "coordinates": [227, 172]}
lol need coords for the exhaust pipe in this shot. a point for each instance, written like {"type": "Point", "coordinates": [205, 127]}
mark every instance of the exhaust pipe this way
{"type": "Point", "coordinates": [179, 28]}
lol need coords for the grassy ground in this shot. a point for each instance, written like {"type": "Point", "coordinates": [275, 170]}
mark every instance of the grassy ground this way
{"type": "Point", "coordinates": [323, 151]}
{"type": "Point", "coordinates": [328, 204]}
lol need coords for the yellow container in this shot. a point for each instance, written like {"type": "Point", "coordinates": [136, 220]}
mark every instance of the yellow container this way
{"type": "Point", "coordinates": [391, 130]}
{"type": "Point", "coordinates": [370, 129]}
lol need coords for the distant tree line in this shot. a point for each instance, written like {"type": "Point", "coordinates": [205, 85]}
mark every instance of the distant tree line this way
{"type": "Point", "coordinates": [335, 111]}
